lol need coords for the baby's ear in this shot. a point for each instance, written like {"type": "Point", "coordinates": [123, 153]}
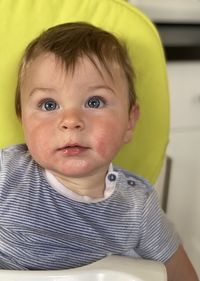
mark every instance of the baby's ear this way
{"type": "Point", "coordinates": [133, 118]}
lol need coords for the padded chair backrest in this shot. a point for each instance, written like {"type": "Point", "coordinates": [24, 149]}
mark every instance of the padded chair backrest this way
{"type": "Point", "coordinates": [22, 20]}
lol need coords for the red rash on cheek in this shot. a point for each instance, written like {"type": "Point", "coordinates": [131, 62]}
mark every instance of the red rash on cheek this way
{"type": "Point", "coordinates": [101, 148]}
{"type": "Point", "coordinates": [108, 142]}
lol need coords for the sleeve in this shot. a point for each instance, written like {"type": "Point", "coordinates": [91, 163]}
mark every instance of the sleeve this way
{"type": "Point", "coordinates": [157, 237]}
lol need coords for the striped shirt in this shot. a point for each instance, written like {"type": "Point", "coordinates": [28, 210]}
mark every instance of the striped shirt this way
{"type": "Point", "coordinates": [41, 228]}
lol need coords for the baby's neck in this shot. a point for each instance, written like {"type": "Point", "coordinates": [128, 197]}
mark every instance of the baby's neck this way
{"type": "Point", "coordinates": [90, 186]}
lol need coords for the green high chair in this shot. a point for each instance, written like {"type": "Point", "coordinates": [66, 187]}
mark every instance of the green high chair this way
{"type": "Point", "coordinates": [23, 20]}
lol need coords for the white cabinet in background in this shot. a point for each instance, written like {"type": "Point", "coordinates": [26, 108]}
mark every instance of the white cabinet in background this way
{"type": "Point", "coordinates": [183, 206]}
{"type": "Point", "coordinates": [170, 10]}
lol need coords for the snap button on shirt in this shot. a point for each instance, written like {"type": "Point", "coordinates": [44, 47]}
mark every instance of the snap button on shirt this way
{"type": "Point", "coordinates": [131, 182]}
{"type": "Point", "coordinates": [112, 177]}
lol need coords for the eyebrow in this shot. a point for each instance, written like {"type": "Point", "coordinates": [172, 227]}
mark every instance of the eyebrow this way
{"type": "Point", "coordinates": [49, 90]}
{"type": "Point", "coordinates": [99, 87]}
{"type": "Point", "coordinates": [43, 89]}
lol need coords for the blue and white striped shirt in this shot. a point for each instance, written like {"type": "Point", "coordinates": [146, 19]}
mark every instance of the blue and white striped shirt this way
{"type": "Point", "coordinates": [41, 228]}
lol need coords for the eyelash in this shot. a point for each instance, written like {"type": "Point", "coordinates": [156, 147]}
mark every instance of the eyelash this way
{"type": "Point", "coordinates": [101, 102]}
{"type": "Point", "coordinates": [45, 101]}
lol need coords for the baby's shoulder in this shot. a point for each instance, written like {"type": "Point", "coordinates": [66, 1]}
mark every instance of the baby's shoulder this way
{"type": "Point", "coordinates": [13, 152]}
{"type": "Point", "coordinates": [133, 182]}
{"type": "Point", "coordinates": [15, 148]}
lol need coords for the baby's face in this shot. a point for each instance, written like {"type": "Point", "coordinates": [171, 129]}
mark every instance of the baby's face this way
{"type": "Point", "coordinates": [74, 123]}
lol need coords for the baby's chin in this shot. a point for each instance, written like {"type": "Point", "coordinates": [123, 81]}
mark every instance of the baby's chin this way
{"type": "Point", "coordinates": [73, 169]}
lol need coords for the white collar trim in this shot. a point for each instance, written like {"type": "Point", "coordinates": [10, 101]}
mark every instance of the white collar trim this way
{"type": "Point", "coordinates": [110, 183]}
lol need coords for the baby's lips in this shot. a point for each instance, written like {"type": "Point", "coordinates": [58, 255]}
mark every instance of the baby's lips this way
{"type": "Point", "coordinates": [72, 145]}
{"type": "Point", "coordinates": [74, 150]}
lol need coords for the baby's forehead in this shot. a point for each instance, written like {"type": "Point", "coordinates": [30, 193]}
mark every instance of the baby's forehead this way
{"type": "Point", "coordinates": [103, 65]}
{"type": "Point", "coordinates": [88, 68]}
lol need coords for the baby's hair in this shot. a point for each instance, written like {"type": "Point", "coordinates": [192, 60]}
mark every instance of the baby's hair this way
{"type": "Point", "coordinates": [71, 41]}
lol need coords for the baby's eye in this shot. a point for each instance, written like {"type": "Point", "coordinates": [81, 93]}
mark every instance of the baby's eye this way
{"type": "Point", "coordinates": [49, 105]}
{"type": "Point", "coordinates": [95, 102]}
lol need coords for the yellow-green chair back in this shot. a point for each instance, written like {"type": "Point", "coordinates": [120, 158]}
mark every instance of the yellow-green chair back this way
{"type": "Point", "coordinates": [22, 20]}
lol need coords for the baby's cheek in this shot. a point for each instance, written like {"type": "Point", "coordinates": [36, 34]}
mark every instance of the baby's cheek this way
{"type": "Point", "coordinates": [108, 142]}
{"type": "Point", "coordinates": [101, 147]}
{"type": "Point", "coordinates": [39, 144]}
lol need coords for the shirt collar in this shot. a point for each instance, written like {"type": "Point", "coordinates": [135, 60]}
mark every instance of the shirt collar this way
{"type": "Point", "coordinates": [110, 184]}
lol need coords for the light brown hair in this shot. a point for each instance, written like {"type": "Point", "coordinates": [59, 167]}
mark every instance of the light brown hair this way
{"type": "Point", "coordinates": [69, 42]}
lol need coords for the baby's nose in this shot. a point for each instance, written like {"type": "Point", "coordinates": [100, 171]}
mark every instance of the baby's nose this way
{"type": "Point", "coordinates": [71, 120]}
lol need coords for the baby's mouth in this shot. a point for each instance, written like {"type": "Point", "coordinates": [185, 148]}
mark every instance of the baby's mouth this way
{"type": "Point", "coordinates": [73, 150]}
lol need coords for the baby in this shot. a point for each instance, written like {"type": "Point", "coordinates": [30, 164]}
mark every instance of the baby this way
{"type": "Point", "coordinates": [62, 203]}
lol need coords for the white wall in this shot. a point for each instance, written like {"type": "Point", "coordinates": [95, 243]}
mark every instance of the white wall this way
{"type": "Point", "coordinates": [170, 10]}
{"type": "Point", "coordinates": [184, 149]}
